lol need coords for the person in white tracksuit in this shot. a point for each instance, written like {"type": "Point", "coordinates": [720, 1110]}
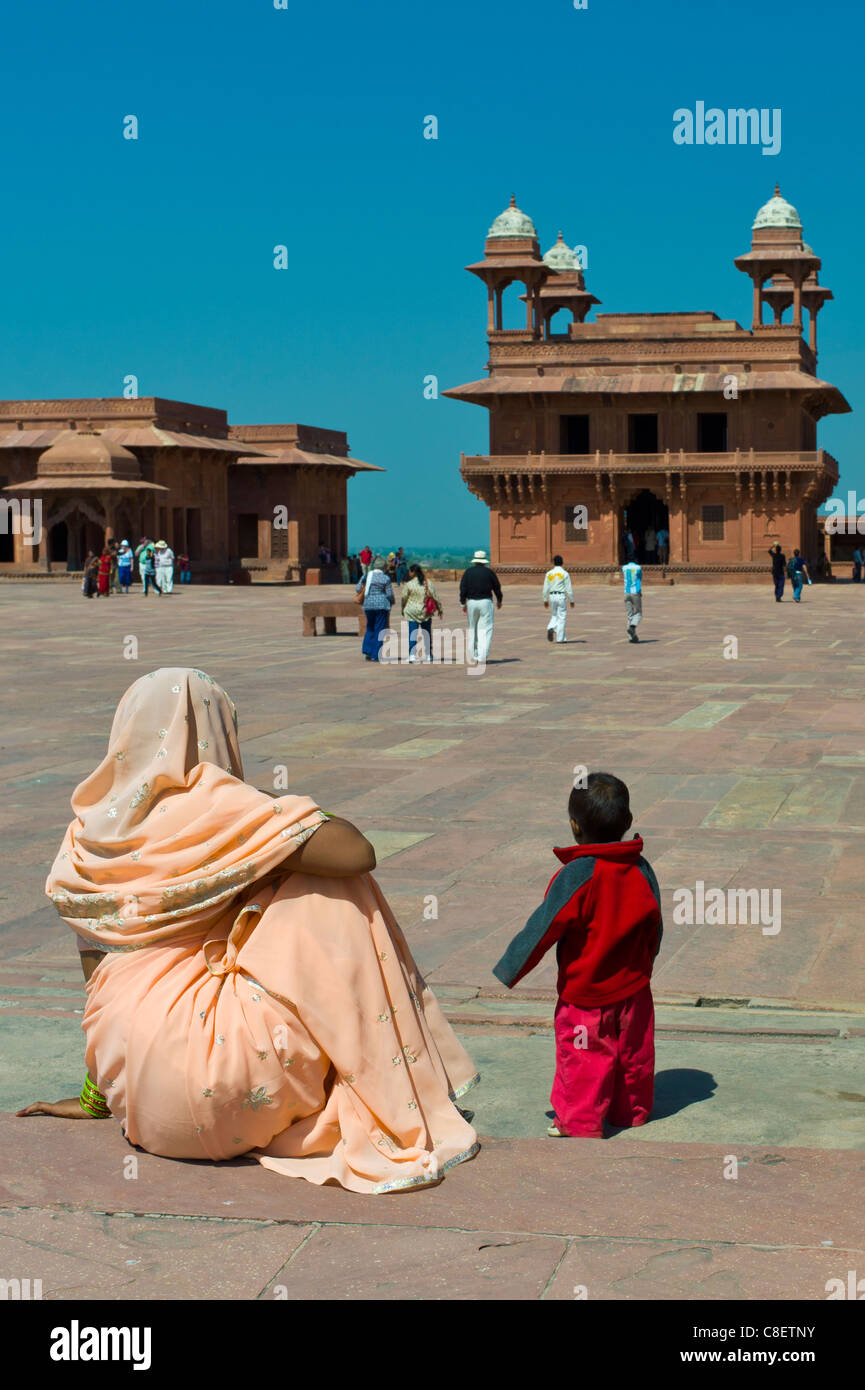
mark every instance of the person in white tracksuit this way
{"type": "Point", "coordinates": [164, 559]}
{"type": "Point", "coordinates": [558, 593]}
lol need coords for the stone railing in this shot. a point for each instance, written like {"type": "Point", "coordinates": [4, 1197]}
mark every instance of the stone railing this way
{"type": "Point", "coordinates": [672, 461]}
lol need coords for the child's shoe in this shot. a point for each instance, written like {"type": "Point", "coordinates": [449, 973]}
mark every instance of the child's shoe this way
{"type": "Point", "coordinates": [553, 1132]}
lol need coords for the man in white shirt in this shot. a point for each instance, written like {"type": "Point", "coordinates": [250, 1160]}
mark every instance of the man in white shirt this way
{"type": "Point", "coordinates": [558, 593]}
{"type": "Point", "coordinates": [633, 576]}
{"type": "Point", "coordinates": [164, 558]}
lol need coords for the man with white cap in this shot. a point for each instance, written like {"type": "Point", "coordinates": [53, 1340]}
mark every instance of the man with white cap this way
{"type": "Point", "coordinates": [558, 593]}
{"type": "Point", "coordinates": [164, 558]}
{"type": "Point", "coordinates": [477, 587]}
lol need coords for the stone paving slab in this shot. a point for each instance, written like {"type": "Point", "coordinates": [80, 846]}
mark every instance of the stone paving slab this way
{"type": "Point", "coordinates": [692, 1272]}
{"type": "Point", "coordinates": [571, 1188]}
{"type": "Point", "coordinates": [92, 1255]}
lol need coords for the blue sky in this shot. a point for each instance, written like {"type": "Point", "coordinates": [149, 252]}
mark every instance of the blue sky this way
{"type": "Point", "coordinates": [304, 127]}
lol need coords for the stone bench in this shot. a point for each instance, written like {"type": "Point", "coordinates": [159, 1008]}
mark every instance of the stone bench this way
{"type": "Point", "coordinates": [329, 610]}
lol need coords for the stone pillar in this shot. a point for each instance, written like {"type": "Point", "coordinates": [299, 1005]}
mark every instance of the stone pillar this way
{"type": "Point", "coordinates": [758, 304]}
{"type": "Point", "coordinates": [614, 518]}
{"type": "Point", "coordinates": [797, 303]}
{"type": "Point", "coordinates": [740, 512]}
{"type": "Point", "coordinates": [683, 494]}
{"type": "Point", "coordinates": [491, 309]}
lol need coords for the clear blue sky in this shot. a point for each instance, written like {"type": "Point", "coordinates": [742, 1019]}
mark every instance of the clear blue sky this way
{"type": "Point", "coordinates": [305, 127]}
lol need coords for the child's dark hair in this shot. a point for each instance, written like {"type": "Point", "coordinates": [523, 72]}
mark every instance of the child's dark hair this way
{"type": "Point", "coordinates": [601, 809]}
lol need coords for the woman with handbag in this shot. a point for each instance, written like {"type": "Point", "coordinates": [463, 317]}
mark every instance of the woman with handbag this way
{"type": "Point", "coordinates": [375, 593]}
{"type": "Point", "coordinates": [420, 604]}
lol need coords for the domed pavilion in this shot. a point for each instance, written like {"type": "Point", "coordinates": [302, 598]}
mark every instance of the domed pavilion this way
{"type": "Point", "coordinates": [650, 423]}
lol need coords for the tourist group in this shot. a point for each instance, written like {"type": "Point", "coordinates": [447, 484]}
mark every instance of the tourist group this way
{"type": "Point", "coordinates": [112, 571]}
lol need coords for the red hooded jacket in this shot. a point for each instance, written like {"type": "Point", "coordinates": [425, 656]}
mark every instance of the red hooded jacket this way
{"type": "Point", "coordinates": [603, 911]}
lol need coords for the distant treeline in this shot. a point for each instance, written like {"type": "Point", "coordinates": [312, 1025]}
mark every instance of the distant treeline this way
{"type": "Point", "coordinates": [453, 557]}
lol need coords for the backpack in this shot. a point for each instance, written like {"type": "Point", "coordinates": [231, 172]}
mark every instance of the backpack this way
{"type": "Point", "coordinates": [791, 567]}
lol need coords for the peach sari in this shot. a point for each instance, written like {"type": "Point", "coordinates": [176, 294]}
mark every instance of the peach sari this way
{"type": "Point", "coordinates": [242, 1007]}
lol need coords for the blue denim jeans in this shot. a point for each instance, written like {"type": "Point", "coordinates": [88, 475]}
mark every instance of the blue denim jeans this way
{"type": "Point", "coordinates": [426, 647]}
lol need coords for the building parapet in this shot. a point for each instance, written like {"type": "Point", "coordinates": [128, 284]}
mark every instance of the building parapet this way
{"type": "Point", "coordinates": [744, 460]}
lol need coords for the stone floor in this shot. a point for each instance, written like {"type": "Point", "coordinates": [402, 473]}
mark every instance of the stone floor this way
{"type": "Point", "coordinates": [740, 728]}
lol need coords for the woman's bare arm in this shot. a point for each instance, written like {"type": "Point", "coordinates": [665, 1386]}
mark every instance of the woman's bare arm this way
{"type": "Point", "coordinates": [336, 850]}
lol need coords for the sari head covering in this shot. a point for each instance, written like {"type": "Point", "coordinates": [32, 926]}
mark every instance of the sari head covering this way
{"type": "Point", "coordinates": [166, 831]}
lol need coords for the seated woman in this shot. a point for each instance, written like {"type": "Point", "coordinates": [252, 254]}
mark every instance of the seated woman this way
{"type": "Point", "coordinates": [248, 989]}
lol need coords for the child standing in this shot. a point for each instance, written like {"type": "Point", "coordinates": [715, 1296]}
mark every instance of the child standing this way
{"type": "Point", "coordinates": [602, 911]}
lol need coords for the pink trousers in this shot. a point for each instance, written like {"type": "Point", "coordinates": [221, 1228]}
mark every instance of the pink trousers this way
{"type": "Point", "coordinates": [605, 1065]}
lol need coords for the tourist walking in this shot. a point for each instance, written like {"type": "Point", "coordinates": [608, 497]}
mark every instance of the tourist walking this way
{"type": "Point", "coordinates": [248, 993]}
{"type": "Point", "coordinates": [104, 573]}
{"type": "Point", "coordinates": [164, 560]}
{"type": "Point", "coordinates": [365, 560]}
{"type": "Point", "coordinates": [185, 569]}
{"type": "Point", "coordinates": [375, 592]}
{"type": "Point", "coordinates": [602, 912]}
{"type": "Point", "coordinates": [113, 578]}
{"type": "Point", "coordinates": [124, 566]}
{"type": "Point", "coordinates": [420, 604]}
{"type": "Point", "coordinates": [857, 566]}
{"type": "Point", "coordinates": [779, 569]}
{"type": "Point", "coordinates": [650, 542]}
{"type": "Point", "coordinates": [90, 577]}
{"type": "Point", "coordinates": [797, 571]}
{"type": "Point", "coordinates": [147, 567]}
{"type": "Point", "coordinates": [478, 585]}
{"type": "Point", "coordinates": [344, 571]}
{"type": "Point", "coordinates": [558, 593]}
{"type": "Point", "coordinates": [663, 545]}
{"type": "Point", "coordinates": [633, 576]}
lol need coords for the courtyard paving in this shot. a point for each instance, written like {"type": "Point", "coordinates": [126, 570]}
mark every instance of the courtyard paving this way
{"type": "Point", "coordinates": [739, 726]}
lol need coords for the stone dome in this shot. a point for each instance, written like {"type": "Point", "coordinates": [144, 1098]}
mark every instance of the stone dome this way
{"type": "Point", "coordinates": [88, 453]}
{"type": "Point", "coordinates": [512, 223]}
{"type": "Point", "coordinates": [560, 256]}
{"type": "Point", "coordinates": [777, 213]}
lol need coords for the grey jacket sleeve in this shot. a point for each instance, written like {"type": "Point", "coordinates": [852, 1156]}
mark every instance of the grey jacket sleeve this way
{"type": "Point", "coordinates": [525, 943]}
{"type": "Point", "coordinates": [649, 875]}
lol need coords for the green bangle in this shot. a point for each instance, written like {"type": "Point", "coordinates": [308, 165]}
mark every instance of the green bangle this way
{"type": "Point", "coordinates": [92, 1101]}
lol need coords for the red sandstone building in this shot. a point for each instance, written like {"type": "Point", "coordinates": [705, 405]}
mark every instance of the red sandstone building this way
{"type": "Point", "coordinates": [261, 496]}
{"type": "Point", "coordinates": [680, 421]}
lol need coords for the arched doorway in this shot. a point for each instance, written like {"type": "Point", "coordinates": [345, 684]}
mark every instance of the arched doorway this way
{"type": "Point", "coordinates": [59, 542]}
{"type": "Point", "coordinates": [643, 515]}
